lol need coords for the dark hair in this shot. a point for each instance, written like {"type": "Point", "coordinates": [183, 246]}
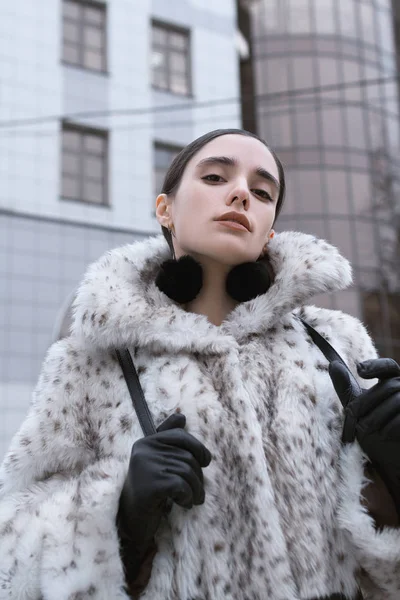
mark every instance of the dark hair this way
{"type": "Point", "coordinates": [175, 172]}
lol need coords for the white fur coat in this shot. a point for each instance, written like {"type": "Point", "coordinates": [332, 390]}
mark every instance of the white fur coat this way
{"type": "Point", "coordinates": [282, 518]}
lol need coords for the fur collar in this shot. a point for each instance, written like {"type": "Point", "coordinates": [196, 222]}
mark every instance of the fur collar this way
{"type": "Point", "coordinates": [118, 304]}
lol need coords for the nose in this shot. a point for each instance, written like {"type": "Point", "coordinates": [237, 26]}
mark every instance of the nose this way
{"type": "Point", "coordinates": [240, 194]}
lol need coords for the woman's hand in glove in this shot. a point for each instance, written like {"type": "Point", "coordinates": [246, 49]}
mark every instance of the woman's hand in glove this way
{"type": "Point", "coordinates": [167, 465]}
{"type": "Point", "coordinates": [373, 416]}
{"type": "Point", "coordinates": [164, 466]}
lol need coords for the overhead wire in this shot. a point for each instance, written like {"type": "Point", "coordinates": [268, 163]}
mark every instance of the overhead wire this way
{"type": "Point", "coordinates": [304, 106]}
{"type": "Point", "coordinates": [267, 97]}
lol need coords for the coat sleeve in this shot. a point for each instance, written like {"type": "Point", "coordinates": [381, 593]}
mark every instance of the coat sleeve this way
{"type": "Point", "coordinates": [377, 549]}
{"type": "Point", "coordinates": [59, 497]}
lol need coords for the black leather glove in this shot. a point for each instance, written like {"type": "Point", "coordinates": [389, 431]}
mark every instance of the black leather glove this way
{"type": "Point", "coordinates": [163, 467]}
{"type": "Point", "coordinates": [373, 416]}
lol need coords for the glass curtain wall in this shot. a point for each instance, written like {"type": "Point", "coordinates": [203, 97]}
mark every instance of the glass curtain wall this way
{"type": "Point", "coordinates": [327, 99]}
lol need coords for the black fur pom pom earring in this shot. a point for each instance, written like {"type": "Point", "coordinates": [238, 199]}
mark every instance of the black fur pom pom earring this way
{"type": "Point", "coordinates": [248, 280]}
{"type": "Point", "coordinates": [182, 279]}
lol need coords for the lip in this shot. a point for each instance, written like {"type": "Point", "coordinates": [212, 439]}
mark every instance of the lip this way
{"type": "Point", "coordinates": [233, 225]}
{"type": "Point", "coordinates": [236, 218]}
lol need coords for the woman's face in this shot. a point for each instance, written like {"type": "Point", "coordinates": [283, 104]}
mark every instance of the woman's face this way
{"type": "Point", "coordinates": [230, 173]}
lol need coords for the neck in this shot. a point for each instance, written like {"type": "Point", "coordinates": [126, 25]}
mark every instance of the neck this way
{"type": "Point", "coordinates": [213, 301]}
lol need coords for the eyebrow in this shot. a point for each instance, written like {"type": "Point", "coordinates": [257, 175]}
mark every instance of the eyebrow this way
{"type": "Point", "coordinates": [233, 162]}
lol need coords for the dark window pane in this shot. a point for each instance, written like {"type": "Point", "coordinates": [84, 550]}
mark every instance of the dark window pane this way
{"type": "Point", "coordinates": [84, 163]}
{"type": "Point", "coordinates": [93, 38]}
{"type": "Point", "coordinates": [274, 75]}
{"type": "Point", "coordinates": [159, 179]}
{"type": "Point", "coordinates": [71, 31]}
{"type": "Point", "coordinates": [71, 9]}
{"type": "Point", "coordinates": [306, 128]}
{"type": "Point", "coordinates": [71, 164]}
{"type": "Point", "coordinates": [341, 236]}
{"type": "Point", "coordinates": [355, 127]}
{"type": "Point", "coordinates": [71, 54]}
{"type": "Point", "coordinates": [93, 192]}
{"type": "Point", "coordinates": [366, 245]}
{"type": "Point", "coordinates": [332, 126]}
{"type": "Point", "coordinates": [367, 13]}
{"type": "Point", "coordinates": [279, 130]}
{"type": "Point", "coordinates": [93, 60]}
{"type": "Point", "coordinates": [347, 17]}
{"type": "Point", "coordinates": [159, 35]}
{"type": "Point", "coordinates": [94, 144]}
{"type": "Point", "coordinates": [158, 59]}
{"type": "Point", "coordinates": [373, 313]}
{"type": "Point", "coordinates": [71, 140]}
{"type": "Point", "coordinates": [162, 159]}
{"type": "Point", "coordinates": [177, 62]}
{"type": "Point", "coordinates": [309, 191]}
{"type": "Point", "coordinates": [93, 168]}
{"type": "Point", "coordinates": [70, 188]}
{"type": "Point", "coordinates": [84, 46]}
{"type": "Point", "coordinates": [177, 40]}
{"type": "Point", "coordinates": [336, 188]}
{"type": "Point", "coordinates": [93, 15]}
{"type": "Point", "coordinates": [178, 84]}
{"type": "Point", "coordinates": [303, 72]}
{"type": "Point", "coordinates": [325, 16]}
{"type": "Point", "coordinates": [349, 302]}
{"type": "Point", "coordinates": [313, 226]}
{"type": "Point", "coordinates": [169, 60]}
{"type": "Point", "coordinates": [299, 16]}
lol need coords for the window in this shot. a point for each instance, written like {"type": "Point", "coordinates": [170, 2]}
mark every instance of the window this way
{"type": "Point", "coordinates": [84, 34]}
{"type": "Point", "coordinates": [299, 16]}
{"type": "Point", "coordinates": [164, 154]}
{"type": "Point", "coordinates": [382, 317]}
{"type": "Point", "coordinates": [84, 164]}
{"type": "Point", "coordinates": [325, 17]}
{"type": "Point", "coordinates": [170, 59]}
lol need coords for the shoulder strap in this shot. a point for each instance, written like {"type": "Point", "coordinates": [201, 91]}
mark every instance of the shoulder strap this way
{"type": "Point", "coordinates": [329, 351]}
{"type": "Point", "coordinates": [136, 392]}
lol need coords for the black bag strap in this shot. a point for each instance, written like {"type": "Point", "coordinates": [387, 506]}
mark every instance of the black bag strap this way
{"type": "Point", "coordinates": [136, 392]}
{"type": "Point", "coordinates": [329, 351]}
{"type": "Point", "coordinates": [139, 401]}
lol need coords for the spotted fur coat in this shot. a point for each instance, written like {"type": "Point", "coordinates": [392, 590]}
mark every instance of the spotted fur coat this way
{"type": "Point", "coordinates": [282, 518]}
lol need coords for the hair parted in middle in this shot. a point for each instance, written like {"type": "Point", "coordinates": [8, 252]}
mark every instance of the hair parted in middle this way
{"type": "Point", "coordinates": [176, 170]}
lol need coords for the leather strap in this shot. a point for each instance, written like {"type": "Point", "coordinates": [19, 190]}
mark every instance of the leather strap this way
{"type": "Point", "coordinates": [329, 352]}
{"type": "Point", "coordinates": [136, 392]}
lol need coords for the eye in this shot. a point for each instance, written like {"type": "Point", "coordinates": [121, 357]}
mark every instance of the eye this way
{"type": "Point", "coordinates": [213, 177]}
{"type": "Point", "coordinates": [264, 194]}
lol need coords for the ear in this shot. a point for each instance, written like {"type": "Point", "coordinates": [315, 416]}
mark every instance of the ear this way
{"type": "Point", "coordinates": [163, 215]}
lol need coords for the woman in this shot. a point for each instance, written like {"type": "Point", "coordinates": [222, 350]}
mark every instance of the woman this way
{"type": "Point", "coordinates": [267, 501]}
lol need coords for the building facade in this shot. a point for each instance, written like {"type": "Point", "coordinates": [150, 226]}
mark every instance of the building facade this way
{"type": "Point", "coordinates": [96, 98]}
{"type": "Point", "coordinates": [322, 87]}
